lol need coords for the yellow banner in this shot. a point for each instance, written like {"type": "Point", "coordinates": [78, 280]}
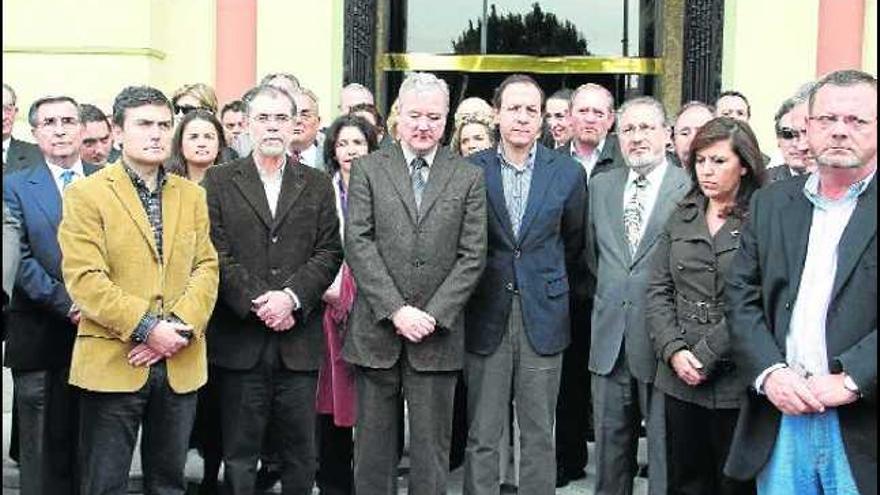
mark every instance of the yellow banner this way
{"type": "Point", "coordinates": [520, 63]}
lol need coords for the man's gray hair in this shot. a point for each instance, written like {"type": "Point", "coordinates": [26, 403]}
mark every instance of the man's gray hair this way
{"type": "Point", "coordinates": [270, 91]}
{"type": "Point", "coordinates": [423, 82]}
{"type": "Point", "coordinates": [648, 101]}
{"type": "Point", "coordinates": [802, 95]}
{"type": "Point", "coordinates": [357, 87]}
{"type": "Point", "coordinates": [844, 78]}
{"type": "Point", "coordinates": [593, 87]}
{"type": "Point", "coordinates": [11, 92]}
{"type": "Point", "coordinates": [693, 104]}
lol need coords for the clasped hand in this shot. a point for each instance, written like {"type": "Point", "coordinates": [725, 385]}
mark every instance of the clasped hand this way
{"type": "Point", "coordinates": [163, 341]}
{"type": "Point", "coordinates": [794, 395]}
{"type": "Point", "coordinates": [413, 324]}
{"type": "Point", "coordinates": [275, 309]}
{"type": "Point", "coordinates": [688, 368]}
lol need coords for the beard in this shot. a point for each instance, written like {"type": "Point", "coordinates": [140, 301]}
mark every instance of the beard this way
{"type": "Point", "coordinates": [272, 148]}
{"type": "Point", "coordinates": [838, 162]}
{"type": "Point", "coordinates": [643, 164]}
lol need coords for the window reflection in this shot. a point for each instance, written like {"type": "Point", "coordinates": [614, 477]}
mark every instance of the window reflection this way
{"type": "Point", "coordinates": [527, 27]}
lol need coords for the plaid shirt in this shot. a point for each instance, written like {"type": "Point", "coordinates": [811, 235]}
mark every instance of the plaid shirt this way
{"type": "Point", "coordinates": [152, 203]}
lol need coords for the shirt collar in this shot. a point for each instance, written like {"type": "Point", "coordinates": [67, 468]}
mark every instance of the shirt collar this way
{"type": "Point", "coordinates": [811, 191]}
{"type": "Point", "coordinates": [410, 155]}
{"type": "Point", "coordinates": [265, 176]}
{"type": "Point", "coordinates": [6, 143]}
{"type": "Point", "coordinates": [139, 183]}
{"type": "Point", "coordinates": [57, 170]}
{"type": "Point", "coordinates": [653, 176]}
{"type": "Point", "coordinates": [596, 152]}
{"type": "Point", "coordinates": [530, 159]}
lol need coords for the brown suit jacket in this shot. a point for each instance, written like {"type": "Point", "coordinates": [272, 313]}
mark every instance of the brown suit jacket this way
{"type": "Point", "coordinates": [431, 261]}
{"type": "Point", "coordinates": [112, 272]}
{"type": "Point", "coordinates": [299, 248]}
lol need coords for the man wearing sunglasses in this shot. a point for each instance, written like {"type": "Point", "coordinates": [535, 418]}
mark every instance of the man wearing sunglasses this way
{"type": "Point", "coordinates": [791, 135]}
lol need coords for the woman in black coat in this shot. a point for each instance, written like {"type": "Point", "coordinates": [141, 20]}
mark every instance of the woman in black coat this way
{"type": "Point", "coordinates": [686, 313]}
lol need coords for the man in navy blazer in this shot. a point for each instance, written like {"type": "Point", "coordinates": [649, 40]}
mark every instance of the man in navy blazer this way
{"type": "Point", "coordinates": [42, 317]}
{"type": "Point", "coordinates": [517, 321]}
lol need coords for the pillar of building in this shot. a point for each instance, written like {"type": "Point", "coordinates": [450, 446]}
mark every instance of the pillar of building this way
{"type": "Point", "coordinates": [236, 48]}
{"type": "Point", "coordinates": [840, 39]}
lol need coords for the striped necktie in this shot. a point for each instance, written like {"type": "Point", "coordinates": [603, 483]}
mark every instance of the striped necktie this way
{"type": "Point", "coordinates": [418, 179]}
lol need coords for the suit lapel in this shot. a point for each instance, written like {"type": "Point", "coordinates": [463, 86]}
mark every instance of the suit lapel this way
{"type": "Point", "coordinates": [398, 172]}
{"type": "Point", "coordinates": [859, 232]}
{"type": "Point", "coordinates": [170, 216]}
{"type": "Point", "coordinates": [441, 173]}
{"type": "Point", "coordinates": [495, 188]}
{"type": "Point", "coordinates": [248, 182]}
{"type": "Point", "coordinates": [670, 190]}
{"type": "Point", "coordinates": [614, 197]}
{"type": "Point", "coordinates": [542, 175]}
{"type": "Point", "coordinates": [124, 190]}
{"type": "Point", "coordinates": [794, 220]}
{"type": "Point", "coordinates": [46, 193]}
{"type": "Point", "coordinates": [292, 184]}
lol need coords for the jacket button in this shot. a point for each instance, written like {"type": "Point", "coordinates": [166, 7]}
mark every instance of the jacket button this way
{"type": "Point", "coordinates": [509, 286]}
{"type": "Point", "coordinates": [683, 331]}
{"type": "Point", "coordinates": [517, 253]}
{"type": "Point", "coordinates": [274, 239]}
{"type": "Point", "coordinates": [788, 305]}
{"type": "Point", "coordinates": [711, 269]}
{"type": "Point", "coordinates": [679, 267]}
{"type": "Point", "coordinates": [273, 271]}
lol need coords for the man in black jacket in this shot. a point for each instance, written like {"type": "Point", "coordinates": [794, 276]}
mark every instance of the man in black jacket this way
{"type": "Point", "coordinates": [803, 312]}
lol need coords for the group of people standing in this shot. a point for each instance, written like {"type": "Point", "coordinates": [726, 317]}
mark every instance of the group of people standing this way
{"type": "Point", "coordinates": [320, 287]}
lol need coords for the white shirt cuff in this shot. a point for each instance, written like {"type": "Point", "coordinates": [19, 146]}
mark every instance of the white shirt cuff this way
{"type": "Point", "coordinates": [759, 382]}
{"type": "Point", "coordinates": [296, 304]}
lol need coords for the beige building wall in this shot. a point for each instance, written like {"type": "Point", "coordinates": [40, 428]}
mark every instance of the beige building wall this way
{"type": "Point", "coordinates": [305, 38]}
{"type": "Point", "coordinates": [90, 49]}
{"type": "Point", "coordinates": [769, 52]}
{"type": "Point", "coordinates": [869, 48]}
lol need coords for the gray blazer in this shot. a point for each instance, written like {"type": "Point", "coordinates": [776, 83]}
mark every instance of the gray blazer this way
{"type": "Point", "coordinates": [11, 252]}
{"type": "Point", "coordinates": [431, 261]}
{"type": "Point", "coordinates": [618, 319]}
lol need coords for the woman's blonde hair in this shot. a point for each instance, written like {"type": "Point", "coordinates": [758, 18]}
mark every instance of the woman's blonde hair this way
{"type": "Point", "coordinates": [200, 91]}
{"type": "Point", "coordinates": [481, 118]}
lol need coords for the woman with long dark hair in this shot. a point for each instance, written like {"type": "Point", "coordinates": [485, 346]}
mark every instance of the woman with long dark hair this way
{"type": "Point", "coordinates": [196, 145]}
{"type": "Point", "coordinates": [685, 309]}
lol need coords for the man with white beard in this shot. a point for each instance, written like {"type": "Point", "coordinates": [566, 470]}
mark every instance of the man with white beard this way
{"type": "Point", "coordinates": [628, 208]}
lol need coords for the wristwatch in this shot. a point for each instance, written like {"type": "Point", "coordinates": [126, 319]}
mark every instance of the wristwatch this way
{"type": "Point", "coordinates": [850, 384]}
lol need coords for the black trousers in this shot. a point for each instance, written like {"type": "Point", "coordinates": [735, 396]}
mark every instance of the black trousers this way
{"type": "Point", "coordinates": [268, 396]}
{"type": "Point", "coordinates": [207, 431]}
{"type": "Point", "coordinates": [697, 442]}
{"type": "Point", "coordinates": [109, 424]}
{"type": "Point", "coordinates": [335, 457]}
{"type": "Point", "coordinates": [47, 408]}
{"type": "Point", "coordinates": [574, 407]}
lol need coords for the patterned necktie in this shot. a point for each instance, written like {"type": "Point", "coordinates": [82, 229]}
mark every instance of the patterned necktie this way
{"type": "Point", "coordinates": [634, 213]}
{"type": "Point", "coordinates": [66, 178]}
{"type": "Point", "coordinates": [418, 179]}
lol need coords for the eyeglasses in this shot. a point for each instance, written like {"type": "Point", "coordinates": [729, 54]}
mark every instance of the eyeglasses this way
{"type": "Point", "coordinates": [264, 118]}
{"type": "Point", "coordinates": [788, 133]}
{"type": "Point", "coordinates": [630, 130]}
{"type": "Point", "coordinates": [185, 109]}
{"type": "Point", "coordinates": [854, 122]}
{"type": "Point", "coordinates": [65, 122]}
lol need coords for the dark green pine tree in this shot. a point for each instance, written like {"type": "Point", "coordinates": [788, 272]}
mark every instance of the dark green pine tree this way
{"type": "Point", "coordinates": [537, 33]}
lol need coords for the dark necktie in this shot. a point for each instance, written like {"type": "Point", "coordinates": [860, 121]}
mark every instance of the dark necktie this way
{"type": "Point", "coordinates": [418, 179]}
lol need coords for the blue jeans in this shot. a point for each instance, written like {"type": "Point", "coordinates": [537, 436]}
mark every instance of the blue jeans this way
{"type": "Point", "coordinates": [808, 458]}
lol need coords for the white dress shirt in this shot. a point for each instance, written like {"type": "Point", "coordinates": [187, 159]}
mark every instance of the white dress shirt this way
{"type": "Point", "coordinates": [56, 171]}
{"type": "Point", "coordinates": [588, 162]}
{"type": "Point", "coordinates": [272, 184]}
{"type": "Point", "coordinates": [652, 190]}
{"type": "Point", "coordinates": [6, 143]}
{"type": "Point", "coordinates": [309, 156]}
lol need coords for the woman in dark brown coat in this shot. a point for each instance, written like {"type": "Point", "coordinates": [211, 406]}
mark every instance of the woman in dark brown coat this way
{"type": "Point", "coordinates": [685, 308]}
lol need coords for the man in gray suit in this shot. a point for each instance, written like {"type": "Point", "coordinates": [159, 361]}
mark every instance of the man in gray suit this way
{"type": "Point", "coordinates": [628, 209]}
{"type": "Point", "coordinates": [416, 243]}
{"type": "Point", "coordinates": [305, 146]}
